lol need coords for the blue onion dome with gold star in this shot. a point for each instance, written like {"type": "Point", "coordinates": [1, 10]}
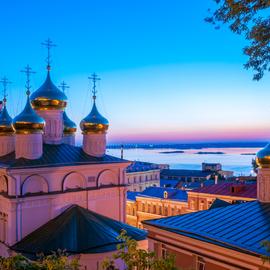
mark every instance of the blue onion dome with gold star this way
{"type": "Point", "coordinates": [263, 157]}
{"type": "Point", "coordinates": [28, 121]}
{"type": "Point", "coordinates": [48, 96]}
{"type": "Point", "coordinates": [6, 127]}
{"type": "Point", "coordinates": [94, 122]}
{"type": "Point", "coordinates": [69, 126]}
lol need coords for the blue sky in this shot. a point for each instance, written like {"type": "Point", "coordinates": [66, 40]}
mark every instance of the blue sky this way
{"type": "Point", "coordinates": [166, 74]}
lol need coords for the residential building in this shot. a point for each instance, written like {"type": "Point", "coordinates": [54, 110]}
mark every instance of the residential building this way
{"type": "Point", "coordinates": [222, 238]}
{"type": "Point", "coordinates": [216, 168]}
{"type": "Point", "coordinates": [140, 175]}
{"type": "Point", "coordinates": [185, 175]}
{"type": "Point", "coordinates": [154, 202]}
{"type": "Point", "coordinates": [203, 197]}
{"type": "Point", "coordinates": [211, 167]}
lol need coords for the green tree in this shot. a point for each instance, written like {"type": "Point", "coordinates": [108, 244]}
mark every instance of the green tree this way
{"type": "Point", "coordinates": [254, 165]}
{"type": "Point", "coordinates": [56, 261]}
{"type": "Point", "coordinates": [251, 19]}
{"type": "Point", "coordinates": [136, 258]}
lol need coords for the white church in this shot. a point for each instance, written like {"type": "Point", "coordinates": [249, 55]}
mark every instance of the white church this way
{"type": "Point", "coordinates": [53, 194]}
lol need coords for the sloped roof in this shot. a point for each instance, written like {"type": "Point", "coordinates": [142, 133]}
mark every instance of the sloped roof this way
{"type": "Point", "coordinates": [158, 192]}
{"type": "Point", "coordinates": [184, 173]}
{"type": "Point", "coordinates": [219, 203]}
{"type": "Point", "coordinates": [131, 195]}
{"type": "Point", "coordinates": [169, 183]}
{"type": "Point", "coordinates": [240, 227]}
{"type": "Point", "coordinates": [55, 156]}
{"type": "Point", "coordinates": [141, 166]}
{"type": "Point", "coordinates": [77, 230]}
{"type": "Point", "coordinates": [246, 190]}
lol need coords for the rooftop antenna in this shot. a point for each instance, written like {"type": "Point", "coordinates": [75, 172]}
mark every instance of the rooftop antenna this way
{"type": "Point", "coordinates": [5, 83]}
{"type": "Point", "coordinates": [48, 44]}
{"type": "Point", "coordinates": [63, 86]}
{"type": "Point", "coordinates": [94, 78]}
{"type": "Point", "coordinates": [28, 71]}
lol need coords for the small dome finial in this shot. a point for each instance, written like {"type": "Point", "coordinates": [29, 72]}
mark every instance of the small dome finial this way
{"type": "Point", "coordinates": [63, 86]}
{"type": "Point", "coordinates": [94, 78]}
{"type": "Point", "coordinates": [48, 44]}
{"type": "Point", "coordinates": [5, 83]}
{"type": "Point", "coordinates": [28, 71]}
{"type": "Point", "coordinates": [5, 119]}
{"type": "Point", "coordinates": [69, 126]}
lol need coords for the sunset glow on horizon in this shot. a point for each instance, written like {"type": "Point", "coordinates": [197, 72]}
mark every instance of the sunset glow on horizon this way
{"type": "Point", "coordinates": [167, 77]}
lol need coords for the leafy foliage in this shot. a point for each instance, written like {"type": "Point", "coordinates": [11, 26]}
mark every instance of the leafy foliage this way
{"type": "Point", "coordinates": [56, 261]}
{"type": "Point", "coordinates": [266, 245]}
{"type": "Point", "coordinates": [250, 18]}
{"type": "Point", "coordinates": [138, 259]}
{"type": "Point", "coordinates": [255, 166]}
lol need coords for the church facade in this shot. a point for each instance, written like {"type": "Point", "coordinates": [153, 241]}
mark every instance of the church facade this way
{"type": "Point", "coordinates": [43, 173]}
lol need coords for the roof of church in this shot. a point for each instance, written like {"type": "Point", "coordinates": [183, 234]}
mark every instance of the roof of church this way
{"type": "Point", "coordinates": [55, 156]}
{"type": "Point", "coordinates": [240, 227]}
{"type": "Point", "coordinates": [76, 230]}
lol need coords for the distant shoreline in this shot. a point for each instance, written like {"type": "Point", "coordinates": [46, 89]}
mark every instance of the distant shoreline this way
{"type": "Point", "coordinates": [173, 152]}
{"type": "Point", "coordinates": [210, 153]}
{"type": "Point", "coordinates": [188, 146]}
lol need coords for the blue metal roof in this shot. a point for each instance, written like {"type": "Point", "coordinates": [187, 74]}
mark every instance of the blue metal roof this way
{"type": "Point", "coordinates": [139, 166]}
{"type": "Point", "coordinates": [131, 195]}
{"type": "Point", "coordinates": [57, 156]}
{"type": "Point", "coordinates": [219, 203]}
{"type": "Point", "coordinates": [184, 173]}
{"type": "Point", "coordinates": [169, 183]}
{"type": "Point", "coordinates": [158, 192]}
{"type": "Point", "coordinates": [76, 230]}
{"type": "Point", "coordinates": [240, 227]}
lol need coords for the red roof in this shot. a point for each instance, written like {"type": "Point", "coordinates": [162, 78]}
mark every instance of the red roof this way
{"type": "Point", "coordinates": [230, 189]}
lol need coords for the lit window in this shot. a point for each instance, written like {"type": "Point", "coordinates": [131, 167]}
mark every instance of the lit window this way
{"type": "Point", "coordinates": [165, 195]}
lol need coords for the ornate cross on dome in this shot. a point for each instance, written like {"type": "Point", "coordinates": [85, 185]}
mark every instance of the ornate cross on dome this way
{"type": "Point", "coordinates": [48, 44]}
{"type": "Point", "coordinates": [94, 78]}
{"type": "Point", "coordinates": [5, 82]}
{"type": "Point", "coordinates": [28, 71]}
{"type": "Point", "coordinates": [63, 86]}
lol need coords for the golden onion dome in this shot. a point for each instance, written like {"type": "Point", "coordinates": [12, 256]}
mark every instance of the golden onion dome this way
{"type": "Point", "coordinates": [6, 127]}
{"type": "Point", "coordinates": [94, 122]}
{"type": "Point", "coordinates": [69, 126]}
{"type": "Point", "coordinates": [263, 157]}
{"type": "Point", "coordinates": [28, 121]}
{"type": "Point", "coordinates": [48, 96]}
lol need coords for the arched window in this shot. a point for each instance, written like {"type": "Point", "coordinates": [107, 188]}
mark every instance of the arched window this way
{"type": "Point", "coordinates": [74, 181]}
{"type": "Point", "coordinates": [107, 177]}
{"type": "Point", "coordinates": [35, 184]}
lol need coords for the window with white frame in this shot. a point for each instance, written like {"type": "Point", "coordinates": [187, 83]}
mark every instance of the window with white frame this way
{"type": "Point", "coordinates": [164, 252]}
{"type": "Point", "coordinates": [200, 265]}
